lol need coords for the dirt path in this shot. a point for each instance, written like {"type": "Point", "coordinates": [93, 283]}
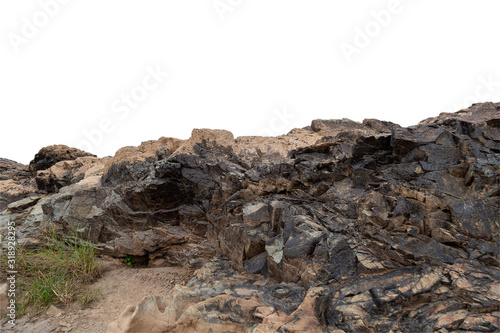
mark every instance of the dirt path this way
{"type": "Point", "coordinates": [120, 287]}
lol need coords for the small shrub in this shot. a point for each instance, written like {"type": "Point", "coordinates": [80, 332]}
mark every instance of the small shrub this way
{"type": "Point", "coordinates": [129, 260]}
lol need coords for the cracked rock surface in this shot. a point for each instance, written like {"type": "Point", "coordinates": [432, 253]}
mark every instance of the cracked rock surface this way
{"type": "Point", "coordinates": [337, 227]}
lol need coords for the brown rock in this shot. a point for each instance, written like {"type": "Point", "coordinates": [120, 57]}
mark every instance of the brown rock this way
{"type": "Point", "coordinates": [48, 156]}
{"type": "Point", "coordinates": [4, 299]}
{"type": "Point", "coordinates": [451, 320]}
{"type": "Point", "coordinates": [54, 312]}
{"type": "Point", "coordinates": [360, 227]}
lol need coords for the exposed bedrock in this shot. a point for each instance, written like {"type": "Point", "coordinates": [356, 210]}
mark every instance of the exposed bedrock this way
{"type": "Point", "coordinates": [355, 227]}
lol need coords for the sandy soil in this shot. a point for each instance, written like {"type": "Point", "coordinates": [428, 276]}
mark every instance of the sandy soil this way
{"type": "Point", "coordinates": [121, 286]}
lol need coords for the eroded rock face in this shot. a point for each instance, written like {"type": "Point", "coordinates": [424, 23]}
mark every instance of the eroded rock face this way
{"type": "Point", "coordinates": [368, 227]}
{"type": "Point", "coordinates": [15, 182]}
{"type": "Point", "coordinates": [48, 156]}
{"type": "Point", "coordinates": [69, 172]}
{"type": "Point", "coordinates": [218, 299]}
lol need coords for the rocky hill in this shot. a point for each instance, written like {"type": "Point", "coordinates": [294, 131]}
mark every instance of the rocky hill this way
{"type": "Point", "coordinates": [337, 227]}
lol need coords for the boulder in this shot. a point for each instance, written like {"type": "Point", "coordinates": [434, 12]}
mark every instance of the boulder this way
{"type": "Point", "coordinates": [48, 156]}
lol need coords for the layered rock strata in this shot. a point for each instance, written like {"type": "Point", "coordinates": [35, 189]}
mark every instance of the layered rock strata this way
{"type": "Point", "coordinates": [339, 226]}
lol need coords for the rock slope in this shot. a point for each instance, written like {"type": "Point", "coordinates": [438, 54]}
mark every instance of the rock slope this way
{"type": "Point", "coordinates": [337, 227]}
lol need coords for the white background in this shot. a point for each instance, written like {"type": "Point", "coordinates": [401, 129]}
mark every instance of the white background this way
{"type": "Point", "coordinates": [234, 65]}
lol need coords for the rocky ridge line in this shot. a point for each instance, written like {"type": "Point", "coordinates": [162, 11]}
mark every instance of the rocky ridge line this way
{"type": "Point", "coordinates": [339, 226]}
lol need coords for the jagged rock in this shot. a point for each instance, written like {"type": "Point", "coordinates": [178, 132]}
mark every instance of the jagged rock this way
{"type": "Point", "coordinates": [48, 156]}
{"type": "Point", "coordinates": [15, 182]}
{"type": "Point", "coordinates": [69, 172]}
{"type": "Point", "coordinates": [217, 299]}
{"type": "Point", "coordinates": [477, 218]}
{"type": "Point", "coordinates": [23, 204]}
{"type": "Point", "coordinates": [339, 226]}
{"type": "Point", "coordinates": [13, 170]}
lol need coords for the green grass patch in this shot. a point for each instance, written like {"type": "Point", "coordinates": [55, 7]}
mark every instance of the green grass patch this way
{"type": "Point", "coordinates": [89, 296]}
{"type": "Point", "coordinates": [58, 273]}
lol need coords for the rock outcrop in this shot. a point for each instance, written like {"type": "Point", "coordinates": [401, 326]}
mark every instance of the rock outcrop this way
{"type": "Point", "coordinates": [337, 227]}
{"type": "Point", "coordinates": [48, 156]}
{"type": "Point", "coordinates": [15, 182]}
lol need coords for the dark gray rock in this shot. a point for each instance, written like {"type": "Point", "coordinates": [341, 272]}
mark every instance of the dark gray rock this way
{"type": "Point", "coordinates": [48, 156]}
{"type": "Point", "coordinates": [364, 227]}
